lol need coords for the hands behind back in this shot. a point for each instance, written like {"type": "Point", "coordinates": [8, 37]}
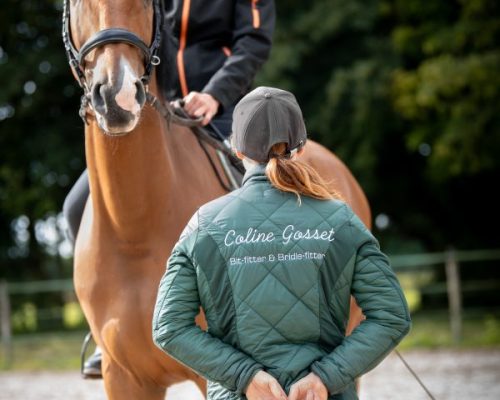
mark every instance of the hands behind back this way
{"type": "Point", "coordinates": [310, 387]}
{"type": "Point", "coordinates": [264, 387]}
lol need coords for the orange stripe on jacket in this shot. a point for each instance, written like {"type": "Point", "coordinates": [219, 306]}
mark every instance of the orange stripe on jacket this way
{"type": "Point", "coordinates": [182, 46]}
{"type": "Point", "coordinates": [255, 14]}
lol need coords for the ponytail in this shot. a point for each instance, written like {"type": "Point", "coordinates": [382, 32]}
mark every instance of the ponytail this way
{"type": "Point", "coordinates": [296, 177]}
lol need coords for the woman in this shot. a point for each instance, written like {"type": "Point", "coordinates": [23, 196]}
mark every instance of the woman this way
{"type": "Point", "coordinates": [273, 265]}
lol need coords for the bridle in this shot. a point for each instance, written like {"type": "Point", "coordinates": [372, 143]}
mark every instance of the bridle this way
{"type": "Point", "coordinates": [76, 57]}
{"type": "Point", "coordinates": [171, 113]}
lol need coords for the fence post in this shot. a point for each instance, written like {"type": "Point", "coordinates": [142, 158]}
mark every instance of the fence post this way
{"type": "Point", "coordinates": [5, 327]}
{"type": "Point", "coordinates": [454, 295]}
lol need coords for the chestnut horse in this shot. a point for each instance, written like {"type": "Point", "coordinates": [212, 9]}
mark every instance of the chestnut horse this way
{"type": "Point", "coordinates": [147, 177]}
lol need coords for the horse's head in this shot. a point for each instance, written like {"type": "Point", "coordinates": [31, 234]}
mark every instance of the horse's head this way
{"type": "Point", "coordinates": [112, 47]}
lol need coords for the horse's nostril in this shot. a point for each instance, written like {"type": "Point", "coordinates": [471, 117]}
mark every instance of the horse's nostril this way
{"type": "Point", "coordinates": [98, 98]}
{"type": "Point", "coordinates": [140, 94]}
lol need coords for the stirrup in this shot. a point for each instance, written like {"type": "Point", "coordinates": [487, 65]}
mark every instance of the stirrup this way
{"type": "Point", "coordinates": [95, 374]}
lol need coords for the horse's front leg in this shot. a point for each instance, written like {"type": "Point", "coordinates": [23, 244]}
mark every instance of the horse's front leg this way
{"type": "Point", "coordinates": [122, 384]}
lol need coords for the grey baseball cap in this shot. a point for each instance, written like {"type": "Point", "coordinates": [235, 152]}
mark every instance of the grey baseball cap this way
{"type": "Point", "coordinates": [264, 117]}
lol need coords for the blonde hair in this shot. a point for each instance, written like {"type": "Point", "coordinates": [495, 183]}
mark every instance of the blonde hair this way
{"type": "Point", "coordinates": [297, 177]}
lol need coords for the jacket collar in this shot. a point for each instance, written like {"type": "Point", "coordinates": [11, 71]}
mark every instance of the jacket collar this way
{"type": "Point", "coordinates": [255, 174]}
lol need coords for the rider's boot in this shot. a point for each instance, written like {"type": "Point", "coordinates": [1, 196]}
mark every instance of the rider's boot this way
{"type": "Point", "coordinates": [92, 366]}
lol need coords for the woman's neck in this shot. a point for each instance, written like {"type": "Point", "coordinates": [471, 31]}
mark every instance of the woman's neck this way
{"type": "Point", "coordinates": [249, 164]}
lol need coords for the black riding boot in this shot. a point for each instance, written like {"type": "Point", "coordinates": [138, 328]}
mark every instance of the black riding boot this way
{"type": "Point", "coordinates": [92, 366]}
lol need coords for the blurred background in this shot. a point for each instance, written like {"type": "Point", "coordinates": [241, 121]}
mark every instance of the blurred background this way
{"type": "Point", "coordinates": [406, 92]}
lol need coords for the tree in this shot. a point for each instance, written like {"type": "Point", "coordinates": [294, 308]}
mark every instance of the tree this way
{"type": "Point", "coordinates": [406, 92]}
{"type": "Point", "coordinates": [447, 89]}
{"type": "Point", "coordinates": [41, 140]}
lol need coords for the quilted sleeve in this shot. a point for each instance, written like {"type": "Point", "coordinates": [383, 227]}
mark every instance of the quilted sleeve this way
{"type": "Point", "coordinates": [378, 293]}
{"type": "Point", "coordinates": [175, 331]}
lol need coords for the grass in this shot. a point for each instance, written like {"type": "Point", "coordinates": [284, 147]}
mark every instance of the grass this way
{"type": "Point", "coordinates": [432, 330]}
{"type": "Point", "coordinates": [61, 351]}
{"type": "Point", "coordinates": [47, 351]}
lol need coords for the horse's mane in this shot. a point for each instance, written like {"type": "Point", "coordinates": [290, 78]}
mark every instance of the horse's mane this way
{"type": "Point", "coordinates": [166, 72]}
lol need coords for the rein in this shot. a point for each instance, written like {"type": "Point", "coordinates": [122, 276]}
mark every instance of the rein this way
{"type": "Point", "coordinates": [417, 378]}
{"type": "Point", "coordinates": [172, 113]}
{"type": "Point", "coordinates": [178, 115]}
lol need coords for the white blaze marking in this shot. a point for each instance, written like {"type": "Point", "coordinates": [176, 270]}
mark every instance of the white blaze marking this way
{"type": "Point", "coordinates": [125, 98]}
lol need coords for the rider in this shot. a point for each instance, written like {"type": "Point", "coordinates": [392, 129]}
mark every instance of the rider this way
{"type": "Point", "coordinates": [220, 48]}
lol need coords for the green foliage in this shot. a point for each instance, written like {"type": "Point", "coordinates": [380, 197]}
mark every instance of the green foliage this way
{"type": "Point", "coordinates": [40, 134]}
{"type": "Point", "coordinates": [24, 318]}
{"type": "Point", "coordinates": [322, 54]}
{"type": "Point", "coordinates": [406, 92]}
{"type": "Point", "coordinates": [73, 315]}
{"type": "Point", "coordinates": [30, 318]}
{"type": "Point", "coordinates": [41, 142]}
{"type": "Point", "coordinates": [491, 332]}
{"type": "Point", "coordinates": [38, 352]}
{"type": "Point", "coordinates": [452, 97]}
{"type": "Point", "coordinates": [432, 330]}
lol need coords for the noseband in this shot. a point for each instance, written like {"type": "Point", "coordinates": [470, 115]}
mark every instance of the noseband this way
{"type": "Point", "coordinates": [76, 57]}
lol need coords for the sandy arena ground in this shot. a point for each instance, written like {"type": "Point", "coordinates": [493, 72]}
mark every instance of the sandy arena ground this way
{"type": "Point", "coordinates": [449, 375]}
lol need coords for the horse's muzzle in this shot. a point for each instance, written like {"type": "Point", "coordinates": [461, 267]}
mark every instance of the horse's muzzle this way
{"type": "Point", "coordinates": [116, 113]}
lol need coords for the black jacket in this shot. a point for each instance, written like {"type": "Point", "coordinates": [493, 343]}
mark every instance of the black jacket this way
{"type": "Point", "coordinates": [221, 45]}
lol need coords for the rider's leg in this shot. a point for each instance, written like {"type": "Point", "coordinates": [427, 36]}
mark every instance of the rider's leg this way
{"type": "Point", "coordinates": [92, 366]}
{"type": "Point", "coordinates": [73, 207]}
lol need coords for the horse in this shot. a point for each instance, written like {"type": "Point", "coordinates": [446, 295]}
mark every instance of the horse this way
{"type": "Point", "coordinates": [147, 177]}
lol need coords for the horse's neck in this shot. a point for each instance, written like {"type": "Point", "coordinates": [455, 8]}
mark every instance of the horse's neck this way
{"type": "Point", "coordinates": [131, 178]}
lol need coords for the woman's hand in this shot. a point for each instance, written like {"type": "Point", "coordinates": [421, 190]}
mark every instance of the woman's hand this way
{"type": "Point", "coordinates": [310, 387]}
{"type": "Point", "coordinates": [265, 387]}
{"type": "Point", "coordinates": [201, 104]}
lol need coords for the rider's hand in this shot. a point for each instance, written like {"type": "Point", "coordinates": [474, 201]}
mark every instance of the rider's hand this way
{"type": "Point", "coordinates": [201, 104]}
{"type": "Point", "coordinates": [264, 387]}
{"type": "Point", "coordinates": [310, 387]}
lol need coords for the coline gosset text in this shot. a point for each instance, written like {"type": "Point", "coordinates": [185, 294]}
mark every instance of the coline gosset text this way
{"type": "Point", "coordinates": [287, 235]}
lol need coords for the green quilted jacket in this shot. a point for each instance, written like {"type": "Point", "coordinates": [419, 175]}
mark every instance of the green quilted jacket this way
{"type": "Point", "coordinates": [274, 279]}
